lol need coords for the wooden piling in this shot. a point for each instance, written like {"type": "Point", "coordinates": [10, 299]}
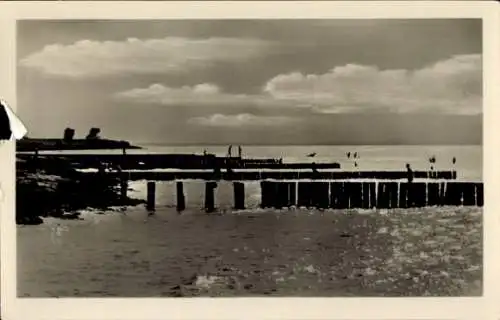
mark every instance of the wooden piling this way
{"type": "Point", "coordinates": [479, 194]}
{"type": "Point", "coordinates": [320, 195]}
{"type": "Point", "coordinates": [239, 195]}
{"type": "Point", "coordinates": [442, 193]}
{"type": "Point", "coordinates": [292, 194]}
{"type": "Point", "coordinates": [382, 196]}
{"type": "Point", "coordinates": [403, 195]}
{"type": "Point", "coordinates": [281, 195]}
{"type": "Point", "coordinates": [453, 194]}
{"type": "Point", "coordinates": [266, 196]}
{"type": "Point", "coordinates": [337, 198]}
{"type": "Point", "coordinates": [468, 194]}
{"type": "Point", "coordinates": [209, 196]}
{"type": "Point", "coordinates": [433, 198]}
{"type": "Point", "coordinates": [150, 205]}
{"type": "Point", "coordinates": [391, 191]}
{"type": "Point", "coordinates": [35, 161]}
{"type": "Point", "coordinates": [343, 199]}
{"type": "Point", "coordinates": [373, 194]}
{"type": "Point", "coordinates": [366, 195]}
{"type": "Point", "coordinates": [354, 190]}
{"type": "Point", "coordinates": [417, 193]}
{"type": "Point", "coordinates": [181, 201]}
{"type": "Point", "coordinates": [304, 194]}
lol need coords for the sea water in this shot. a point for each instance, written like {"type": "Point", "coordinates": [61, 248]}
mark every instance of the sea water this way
{"type": "Point", "coordinates": [130, 252]}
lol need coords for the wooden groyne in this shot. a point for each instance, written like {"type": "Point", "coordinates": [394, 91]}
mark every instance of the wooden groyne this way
{"type": "Point", "coordinates": [279, 175]}
{"type": "Point", "coordinates": [345, 195]}
{"type": "Point", "coordinates": [354, 195]}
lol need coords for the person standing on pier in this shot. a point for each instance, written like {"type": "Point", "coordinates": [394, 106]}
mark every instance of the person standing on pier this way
{"type": "Point", "coordinates": [432, 161]}
{"type": "Point", "coordinates": [454, 172]}
{"type": "Point", "coordinates": [409, 172]}
{"type": "Point", "coordinates": [239, 151]}
{"type": "Point", "coordinates": [230, 151]}
{"type": "Point", "coordinates": [314, 169]}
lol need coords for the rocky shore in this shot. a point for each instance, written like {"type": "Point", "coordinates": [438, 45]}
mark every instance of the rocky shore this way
{"type": "Point", "coordinates": [46, 194]}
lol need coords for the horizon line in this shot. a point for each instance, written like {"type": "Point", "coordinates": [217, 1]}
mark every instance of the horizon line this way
{"type": "Point", "coordinates": [301, 145]}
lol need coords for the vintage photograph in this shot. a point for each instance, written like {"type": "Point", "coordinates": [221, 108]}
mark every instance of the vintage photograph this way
{"type": "Point", "coordinates": [250, 158]}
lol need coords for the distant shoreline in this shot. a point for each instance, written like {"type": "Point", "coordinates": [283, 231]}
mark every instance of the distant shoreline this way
{"type": "Point", "coordinates": [48, 144]}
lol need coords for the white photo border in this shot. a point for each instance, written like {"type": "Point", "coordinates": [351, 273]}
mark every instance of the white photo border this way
{"type": "Point", "coordinates": [255, 308]}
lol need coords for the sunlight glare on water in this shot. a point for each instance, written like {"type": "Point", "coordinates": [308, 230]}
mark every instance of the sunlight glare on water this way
{"type": "Point", "coordinates": [130, 252]}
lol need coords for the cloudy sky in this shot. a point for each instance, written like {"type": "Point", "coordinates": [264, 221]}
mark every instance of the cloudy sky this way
{"type": "Point", "coordinates": [254, 81]}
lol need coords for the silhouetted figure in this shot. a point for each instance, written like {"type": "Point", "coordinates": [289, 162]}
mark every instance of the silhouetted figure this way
{"type": "Point", "coordinates": [355, 155]}
{"type": "Point", "coordinates": [205, 152]}
{"type": "Point", "coordinates": [230, 151]}
{"type": "Point", "coordinates": [5, 130]}
{"type": "Point", "coordinates": [281, 161]}
{"type": "Point", "coordinates": [409, 173]}
{"type": "Point", "coordinates": [454, 161]}
{"type": "Point", "coordinates": [69, 134]}
{"type": "Point", "coordinates": [313, 167]}
{"type": "Point", "coordinates": [93, 134]}
{"type": "Point", "coordinates": [239, 151]}
{"type": "Point", "coordinates": [348, 155]}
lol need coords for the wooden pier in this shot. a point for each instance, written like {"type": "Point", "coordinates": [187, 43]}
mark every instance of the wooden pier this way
{"type": "Point", "coordinates": [345, 194]}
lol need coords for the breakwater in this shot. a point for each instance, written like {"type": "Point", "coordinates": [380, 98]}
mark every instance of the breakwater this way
{"type": "Point", "coordinates": [367, 195]}
{"type": "Point", "coordinates": [342, 194]}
